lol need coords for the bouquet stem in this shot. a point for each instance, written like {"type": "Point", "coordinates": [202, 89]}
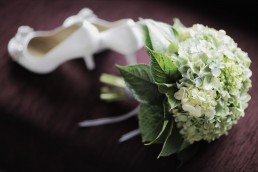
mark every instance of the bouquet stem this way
{"type": "Point", "coordinates": [115, 89]}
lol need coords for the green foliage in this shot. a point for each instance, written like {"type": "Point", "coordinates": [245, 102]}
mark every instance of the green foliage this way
{"type": "Point", "coordinates": [139, 80]}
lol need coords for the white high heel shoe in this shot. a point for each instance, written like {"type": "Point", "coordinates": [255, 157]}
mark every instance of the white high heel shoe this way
{"type": "Point", "coordinates": [81, 35]}
{"type": "Point", "coordinates": [43, 51]}
{"type": "Point", "coordinates": [122, 36]}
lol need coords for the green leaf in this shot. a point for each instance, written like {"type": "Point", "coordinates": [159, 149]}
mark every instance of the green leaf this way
{"type": "Point", "coordinates": [163, 68]}
{"type": "Point", "coordinates": [150, 121]}
{"type": "Point", "coordinates": [161, 137]}
{"type": "Point", "coordinates": [167, 115]}
{"type": "Point", "coordinates": [140, 82]}
{"type": "Point", "coordinates": [166, 126]}
{"type": "Point", "coordinates": [147, 37]}
{"type": "Point", "coordinates": [172, 143]}
{"type": "Point", "coordinates": [158, 74]}
{"type": "Point", "coordinates": [172, 48]}
{"type": "Point", "coordinates": [164, 88]}
{"type": "Point", "coordinates": [184, 146]}
{"type": "Point", "coordinates": [165, 63]}
{"type": "Point", "coordinates": [172, 101]}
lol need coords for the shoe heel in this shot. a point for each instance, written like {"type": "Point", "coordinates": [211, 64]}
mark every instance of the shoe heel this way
{"type": "Point", "coordinates": [88, 59]}
{"type": "Point", "coordinates": [131, 58]}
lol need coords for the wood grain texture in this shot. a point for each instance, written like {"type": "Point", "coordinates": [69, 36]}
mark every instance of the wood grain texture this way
{"type": "Point", "coordinates": [39, 113]}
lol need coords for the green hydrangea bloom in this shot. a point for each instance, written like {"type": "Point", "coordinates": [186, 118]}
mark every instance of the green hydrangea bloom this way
{"type": "Point", "coordinates": [214, 84]}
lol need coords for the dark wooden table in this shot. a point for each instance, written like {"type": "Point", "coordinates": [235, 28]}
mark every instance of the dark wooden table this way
{"type": "Point", "coordinates": [39, 113]}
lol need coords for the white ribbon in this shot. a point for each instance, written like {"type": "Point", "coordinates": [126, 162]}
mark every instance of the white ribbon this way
{"type": "Point", "coordinates": [110, 120]}
{"type": "Point", "coordinates": [104, 121]}
{"type": "Point", "coordinates": [129, 135]}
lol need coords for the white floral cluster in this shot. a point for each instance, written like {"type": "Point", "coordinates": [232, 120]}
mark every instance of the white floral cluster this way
{"type": "Point", "coordinates": [215, 79]}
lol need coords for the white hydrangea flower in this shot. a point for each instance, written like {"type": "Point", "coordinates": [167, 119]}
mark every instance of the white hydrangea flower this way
{"type": "Point", "coordinates": [215, 80]}
{"type": "Point", "coordinates": [197, 102]}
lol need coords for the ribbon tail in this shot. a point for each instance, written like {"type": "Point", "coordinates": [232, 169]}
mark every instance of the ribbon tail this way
{"type": "Point", "coordinates": [104, 121]}
{"type": "Point", "coordinates": [129, 135]}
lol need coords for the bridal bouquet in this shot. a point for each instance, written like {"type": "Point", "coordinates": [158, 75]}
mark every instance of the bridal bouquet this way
{"type": "Point", "coordinates": [194, 89]}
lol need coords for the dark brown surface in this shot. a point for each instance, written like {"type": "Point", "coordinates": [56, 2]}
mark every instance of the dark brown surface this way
{"type": "Point", "coordinates": [39, 113]}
